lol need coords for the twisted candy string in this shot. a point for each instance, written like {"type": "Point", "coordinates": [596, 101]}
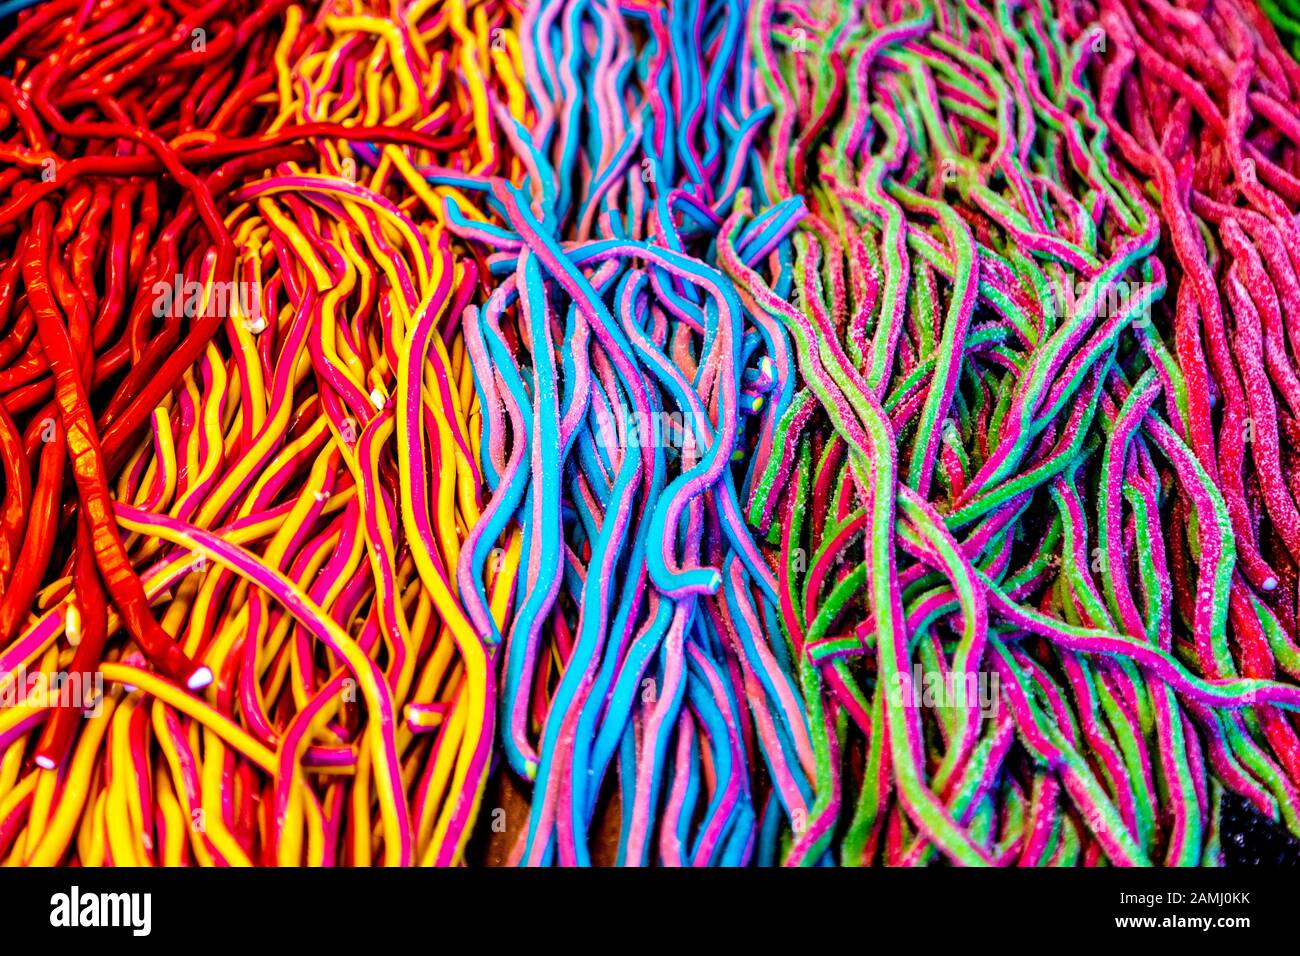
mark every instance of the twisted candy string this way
{"type": "Point", "coordinates": [816, 433]}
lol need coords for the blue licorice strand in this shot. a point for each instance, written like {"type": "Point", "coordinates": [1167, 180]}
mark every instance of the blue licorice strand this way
{"type": "Point", "coordinates": [679, 288]}
{"type": "Point", "coordinates": [915, 314]}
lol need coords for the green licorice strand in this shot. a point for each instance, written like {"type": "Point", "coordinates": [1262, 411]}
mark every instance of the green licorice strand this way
{"type": "Point", "coordinates": [1287, 25]}
{"type": "Point", "coordinates": [1047, 358]}
{"type": "Point", "coordinates": [766, 485]}
{"type": "Point", "coordinates": [875, 469]}
{"type": "Point", "coordinates": [929, 250]}
{"type": "Point", "coordinates": [1099, 813]}
{"type": "Point", "coordinates": [1127, 736]}
{"type": "Point", "coordinates": [1172, 749]}
{"type": "Point", "coordinates": [1181, 790]}
{"type": "Point", "coordinates": [972, 777]}
{"type": "Point", "coordinates": [1013, 820]}
{"type": "Point", "coordinates": [936, 538]}
{"type": "Point", "coordinates": [876, 786]}
{"type": "Point", "coordinates": [1100, 736]}
{"type": "Point", "coordinates": [1155, 347]}
{"type": "Point", "coordinates": [925, 370]}
{"type": "Point", "coordinates": [1098, 345]}
{"type": "Point", "coordinates": [827, 781]}
{"type": "Point", "coordinates": [1077, 566]}
{"type": "Point", "coordinates": [1286, 653]}
{"type": "Point", "coordinates": [1069, 455]}
{"type": "Point", "coordinates": [1032, 275]}
{"type": "Point", "coordinates": [951, 344]}
{"type": "Point", "coordinates": [829, 535]}
{"type": "Point", "coordinates": [1157, 607]}
{"type": "Point", "coordinates": [1263, 769]}
{"type": "Point", "coordinates": [981, 825]}
{"type": "Point", "coordinates": [897, 267]}
{"type": "Point", "coordinates": [923, 312]}
{"type": "Point", "coordinates": [1213, 855]}
{"type": "Point", "coordinates": [927, 656]}
{"type": "Point", "coordinates": [799, 492]}
{"type": "Point", "coordinates": [1006, 425]}
{"type": "Point", "coordinates": [845, 591]}
{"type": "Point", "coordinates": [1220, 527]}
{"type": "Point", "coordinates": [1138, 688]}
{"type": "Point", "coordinates": [845, 488]}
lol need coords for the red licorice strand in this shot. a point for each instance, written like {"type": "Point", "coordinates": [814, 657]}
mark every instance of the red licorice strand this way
{"type": "Point", "coordinates": [212, 147]}
{"type": "Point", "coordinates": [38, 542]}
{"type": "Point", "coordinates": [82, 442]}
{"type": "Point", "coordinates": [91, 615]}
{"type": "Point", "coordinates": [18, 493]}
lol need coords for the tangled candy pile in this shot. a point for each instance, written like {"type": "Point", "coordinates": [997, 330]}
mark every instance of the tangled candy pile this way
{"type": "Point", "coordinates": [680, 432]}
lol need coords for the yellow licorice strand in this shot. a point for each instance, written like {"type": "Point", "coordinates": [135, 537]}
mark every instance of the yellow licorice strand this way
{"type": "Point", "coordinates": [267, 502]}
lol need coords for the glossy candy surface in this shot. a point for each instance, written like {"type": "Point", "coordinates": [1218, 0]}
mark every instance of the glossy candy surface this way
{"type": "Point", "coordinates": [708, 432]}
